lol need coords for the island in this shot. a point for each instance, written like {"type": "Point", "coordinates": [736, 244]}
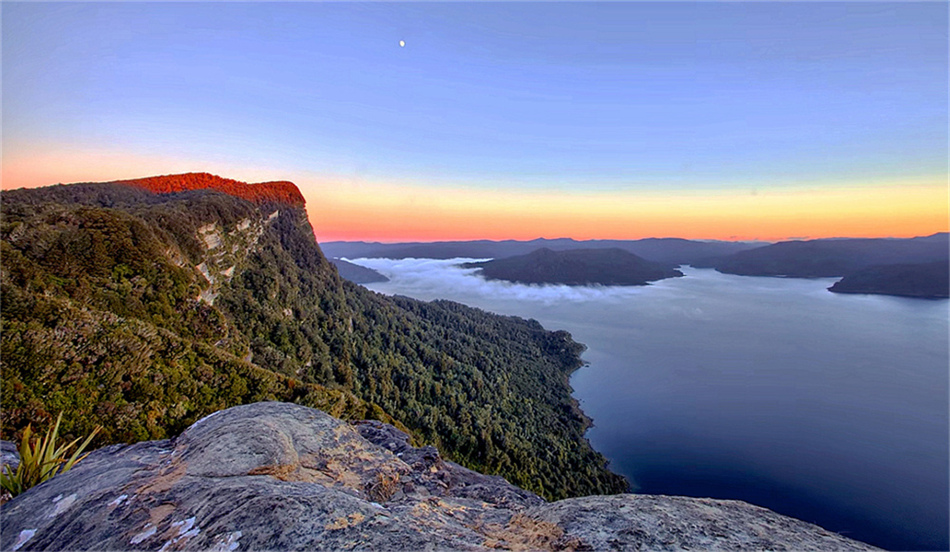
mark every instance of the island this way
{"type": "Point", "coordinates": [923, 280]}
{"type": "Point", "coordinates": [576, 267]}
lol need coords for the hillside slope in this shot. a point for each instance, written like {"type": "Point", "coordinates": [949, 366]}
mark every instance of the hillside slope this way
{"type": "Point", "coordinates": [144, 305]}
{"type": "Point", "coordinates": [356, 273]}
{"type": "Point", "coordinates": [107, 312]}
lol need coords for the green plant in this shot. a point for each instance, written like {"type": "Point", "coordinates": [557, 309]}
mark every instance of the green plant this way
{"type": "Point", "coordinates": [41, 459]}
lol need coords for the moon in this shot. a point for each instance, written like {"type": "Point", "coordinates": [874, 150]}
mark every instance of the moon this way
{"type": "Point", "coordinates": [402, 43]}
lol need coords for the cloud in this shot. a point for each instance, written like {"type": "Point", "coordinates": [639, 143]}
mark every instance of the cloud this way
{"type": "Point", "coordinates": [703, 296]}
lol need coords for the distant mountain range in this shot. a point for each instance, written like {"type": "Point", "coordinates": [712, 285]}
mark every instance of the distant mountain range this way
{"type": "Point", "coordinates": [913, 267]}
{"type": "Point", "coordinates": [672, 251]}
{"type": "Point", "coordinates": [580, 267]}
{"type": "Point", "coordinates": [828, 258]}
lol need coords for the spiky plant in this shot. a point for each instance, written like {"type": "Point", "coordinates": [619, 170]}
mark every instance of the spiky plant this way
{"type": "Point", "coordinates": [41, 459]}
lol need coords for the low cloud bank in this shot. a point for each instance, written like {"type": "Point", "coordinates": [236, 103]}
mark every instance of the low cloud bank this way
{"type": "Point", "coordinates": [434, 278]}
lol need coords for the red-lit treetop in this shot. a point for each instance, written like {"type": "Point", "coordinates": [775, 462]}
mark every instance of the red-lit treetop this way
{"type": "Point", "coordinates": [280, 191]}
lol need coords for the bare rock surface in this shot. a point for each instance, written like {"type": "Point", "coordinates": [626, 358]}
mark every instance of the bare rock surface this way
{"type": "Point", "coordinates": [9, 455]}
{"type": "Point", "coordinates": [277, 476]}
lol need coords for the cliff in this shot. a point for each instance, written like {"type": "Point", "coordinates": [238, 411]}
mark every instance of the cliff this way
{"type": "Point", "coordinates": [275, 476]}
{"type": "Point", "coordinates": [145, 305]}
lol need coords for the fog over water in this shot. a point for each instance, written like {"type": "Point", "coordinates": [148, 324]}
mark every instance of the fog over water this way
{"type": "Point", "coordinates": [830, 408]}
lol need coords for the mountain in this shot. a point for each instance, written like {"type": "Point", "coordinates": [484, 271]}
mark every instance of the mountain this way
{"type": "Point", "coordinates": [831, 257]}
{"type": "Point", "coordinates": [276, 476]}
{"type": "Point", "coordinates": [356, 273]}
{"type": "Point", "coordinates": [925, 280]}
{"type": "Point", "coordinates": [674, 251]}
{"type": "Point", "coordinates": [144, 305]}
{"type": "Point", "coordinates": [576, 267]}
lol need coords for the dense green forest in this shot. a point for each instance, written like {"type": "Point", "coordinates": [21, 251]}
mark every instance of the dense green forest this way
{"type": "Point", "coordinates": [100, 321]}
{"type": "Point", "coordinates": [143, 312]}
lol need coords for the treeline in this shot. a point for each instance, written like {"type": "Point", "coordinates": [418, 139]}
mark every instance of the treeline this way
{"type": "Point", "coordinates": [101, 318]}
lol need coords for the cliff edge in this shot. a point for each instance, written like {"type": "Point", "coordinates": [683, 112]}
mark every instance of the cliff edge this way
{"type": "Point", "coordinates": [280, 476]}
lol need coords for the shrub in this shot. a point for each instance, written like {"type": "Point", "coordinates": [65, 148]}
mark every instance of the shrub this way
{"type": "Point", "coordinates": [41, 459]}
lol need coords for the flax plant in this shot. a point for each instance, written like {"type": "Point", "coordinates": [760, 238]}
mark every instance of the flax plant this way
{"type": "Point", "coordinates": [41, 459]}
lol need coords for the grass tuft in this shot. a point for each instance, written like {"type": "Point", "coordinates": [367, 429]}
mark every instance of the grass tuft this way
{"type": "Point", "coordinates": [42, 459]}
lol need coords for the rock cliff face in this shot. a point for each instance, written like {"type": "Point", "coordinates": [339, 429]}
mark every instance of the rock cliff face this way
{"type": "Point", "coordinates": [282, 476]}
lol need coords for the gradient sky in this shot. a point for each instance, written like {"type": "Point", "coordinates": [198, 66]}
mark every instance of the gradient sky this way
{"type": "Point", "coordinates": [502, 120]}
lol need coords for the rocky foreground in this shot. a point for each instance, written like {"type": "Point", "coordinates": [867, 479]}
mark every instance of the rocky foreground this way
{"type": "Point", "coordinates": [278, 476]}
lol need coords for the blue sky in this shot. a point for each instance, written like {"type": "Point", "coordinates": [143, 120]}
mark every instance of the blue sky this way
{"type": "Point", "coordinates": [620, 97]}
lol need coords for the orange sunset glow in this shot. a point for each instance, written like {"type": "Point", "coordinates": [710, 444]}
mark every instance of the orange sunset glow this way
{"type": "Point", "coordinates": [342, 210]}
{"type": "Point", "coordinates": [389, 213]}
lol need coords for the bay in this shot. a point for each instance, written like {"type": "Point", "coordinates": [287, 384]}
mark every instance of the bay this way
{"type": "Point", "coordinates": [830, 408]}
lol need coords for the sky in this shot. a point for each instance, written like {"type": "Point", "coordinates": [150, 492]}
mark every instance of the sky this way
{"type": "Point", "coordinates": [709, 120]}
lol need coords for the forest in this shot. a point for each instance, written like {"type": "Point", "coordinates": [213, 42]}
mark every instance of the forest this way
{"type": "Point", "coordinates": [145, 311]}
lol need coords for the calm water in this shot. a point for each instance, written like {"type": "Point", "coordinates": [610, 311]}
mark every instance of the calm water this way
{"type": "Point", "coordinates": [830, 408]}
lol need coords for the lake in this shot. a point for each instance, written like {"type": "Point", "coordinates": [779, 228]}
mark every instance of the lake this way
{"type": "Point", "coordinates": [829, 408]}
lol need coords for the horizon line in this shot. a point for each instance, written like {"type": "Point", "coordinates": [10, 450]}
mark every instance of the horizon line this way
{"type": "Point", "coordinates": [737, 240]}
